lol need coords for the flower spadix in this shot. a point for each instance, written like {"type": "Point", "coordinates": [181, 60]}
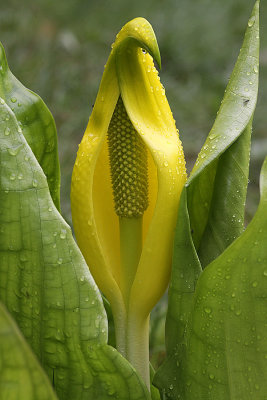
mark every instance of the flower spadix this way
{"type": "Point", "coordinates": [127, 179]}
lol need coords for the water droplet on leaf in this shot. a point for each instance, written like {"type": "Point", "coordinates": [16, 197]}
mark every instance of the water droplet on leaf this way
{"type": "Point", "coordinates": [251, 21]}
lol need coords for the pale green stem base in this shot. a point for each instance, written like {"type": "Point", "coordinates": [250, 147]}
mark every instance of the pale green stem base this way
{"type": "Point", "coordinates": [138, 346]}
{"type": "Point", "coordinates": [120, 322]}
{"type": "Point", "coordinates": [132, 333]}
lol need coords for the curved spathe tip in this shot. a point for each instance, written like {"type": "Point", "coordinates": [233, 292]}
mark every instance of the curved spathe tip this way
{"type": "Point", "coordinates": [140, 30]}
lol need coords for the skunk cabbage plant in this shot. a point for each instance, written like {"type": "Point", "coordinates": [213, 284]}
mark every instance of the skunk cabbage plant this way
{"type": "Point", "coordinates": [126, 186]}
{"type": "Point", "coordinates": [141, 226]}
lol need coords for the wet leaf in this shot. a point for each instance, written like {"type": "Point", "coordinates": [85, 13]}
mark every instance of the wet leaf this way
{"type": "Point", "coordinates": [46, 284]}
{"type": "Point", "coordinates": [211, 213]}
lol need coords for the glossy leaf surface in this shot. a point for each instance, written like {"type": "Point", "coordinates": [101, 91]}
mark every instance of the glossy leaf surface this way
{"type": "Point", "coordinates": [21, 376]}
{"type": "Point", "coordinates": [226, 340]}
{"type": "Point", "coordinates": [211, 214]}
{"type": "Point", "coordinates": [46, 284]}
{"type": "Point", "coordinates": [36, 122]}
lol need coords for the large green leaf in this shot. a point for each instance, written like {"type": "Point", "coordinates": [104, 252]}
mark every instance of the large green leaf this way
{"type": "Point", "coordinates": [36, 122]}
{"type": "Point", "coordinates": [211, 213]}
{"type": "Point", "coordinates": [218, 183]}
{"type": "Point", "coordinates": [46, 284]}
{"type": "Point", "coordinates": [21, 376]}
{"type": "Point", "coordinates": [226, 339]}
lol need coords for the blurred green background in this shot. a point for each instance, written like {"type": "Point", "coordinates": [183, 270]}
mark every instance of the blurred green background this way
{"type": "Point", "coordinates": [59, 48]}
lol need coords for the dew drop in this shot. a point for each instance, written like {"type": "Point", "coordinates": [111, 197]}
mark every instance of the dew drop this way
{"type": "Point", "coordinates": [7, 131]}
{"type": "Point", "coordinates": [251, 21]}
{"type": "Point", "coordinates": [255, 69]}
{"type": "Point", "coordinates": [34, 183]}
{"type": "Point", "coordinates": [212, 136]}
{"type": "Point", "coordinates": [207, 310]}
{"type": "Point", "coordinates": [63, 234]}
{"type": "Point", "coordinates": [59, 261]}
{"type": "Point", "coordinates": [255, 284]}
{"type": "Point", "coordinates": [13, 99]}
{"type": "Point", "coordinates": [13, 151]}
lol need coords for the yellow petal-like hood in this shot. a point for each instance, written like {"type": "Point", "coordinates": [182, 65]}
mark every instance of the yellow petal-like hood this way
{"type": "Point", "coordinates": [131, 74]}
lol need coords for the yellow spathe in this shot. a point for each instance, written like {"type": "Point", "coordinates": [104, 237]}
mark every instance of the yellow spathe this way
{"type": "Point", "coordinates": [131, 74]}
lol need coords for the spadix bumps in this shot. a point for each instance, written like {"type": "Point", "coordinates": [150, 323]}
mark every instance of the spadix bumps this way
{"type": "Point", "coordinates": [126, 186]}
{"type": "Point", "coordinates": [128, 164]}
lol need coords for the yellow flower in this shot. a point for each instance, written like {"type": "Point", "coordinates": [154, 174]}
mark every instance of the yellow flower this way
{"type": "Point", "coordinates": [126, 186]}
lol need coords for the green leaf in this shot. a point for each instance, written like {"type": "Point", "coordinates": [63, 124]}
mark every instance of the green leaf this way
{"type": "Point", "coordinates": [46, 284]}
{"type": "Point", "coordinates": [226, 339]}
{"type": "Point", "coordinates": [227, 208]}
{"type": "Point", "coordinates": [36, 122]}
{"type": "Point", "coordinates": [218, 183]}
{"type": "Point", "coordinates": [211, 213]}
{"type": "Point", "coordinates": [21, 376]}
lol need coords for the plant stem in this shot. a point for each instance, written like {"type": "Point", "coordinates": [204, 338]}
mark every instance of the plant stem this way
{"type": "Point", "coordinates": [120, 322]}
{"type": "Point", "coordinates": [130, 251]}
{"type": "Point", "coordinates": [138, 345]}
{"type": "Point", "coordinates": [135, 332]}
